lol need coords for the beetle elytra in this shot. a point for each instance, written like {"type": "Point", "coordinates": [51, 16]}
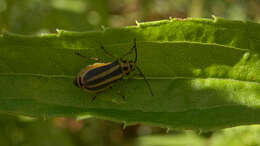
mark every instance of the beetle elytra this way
{"type": "Point", "coordinates": [98, 77]}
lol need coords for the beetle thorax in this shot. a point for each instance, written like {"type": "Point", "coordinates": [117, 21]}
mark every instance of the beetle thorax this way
{"type": "Point", "coordinates": [127, 66]}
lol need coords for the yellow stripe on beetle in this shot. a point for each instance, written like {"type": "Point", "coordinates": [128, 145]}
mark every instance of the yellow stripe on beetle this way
{"type": "Point", "coordinates": [98, 77]}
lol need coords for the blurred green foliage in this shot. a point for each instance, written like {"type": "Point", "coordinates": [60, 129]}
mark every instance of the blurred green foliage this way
{"type": "Point", "coordinates": [37, 16]}
{"type": "Point", "coordinates": [24, 131]}
{"type": "Point", "coordinates": [17, 131]}
{"type": "Point", "coordinates": [43, 16]}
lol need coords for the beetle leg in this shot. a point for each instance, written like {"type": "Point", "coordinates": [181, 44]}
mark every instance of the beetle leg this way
{"type": "Point", "coordinates": [147, 83]}
{"type": "Point", "coordinates": [123, 97]}
{"type": "Point", "coordinates": [122, 94]}
{"type": "Point", "coordinates": [95, 59]}
{"type": "Point", "coordinates": [93, 98]}
{"type": "Point", "coordinates": [136, 74]}
{"type": "Point", "coordinates": [109, 54]}
{"type": "Point", "coordinates": [121, 91]}
{"type": "Point", "coordinates": [130, 51]}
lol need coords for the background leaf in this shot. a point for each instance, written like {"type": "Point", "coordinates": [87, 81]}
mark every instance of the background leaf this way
{"type": "Point", "coordinates": [236, 136]}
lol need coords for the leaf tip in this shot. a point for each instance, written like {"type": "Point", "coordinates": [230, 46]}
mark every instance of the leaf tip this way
{"type": "Point", "coordinates": [83, 116]}
{"type": "Point", "coordinates": [170, 18]}
{"type": "Point", "coordinates": [103, 28]}
{"type": "Point", "coordinates": [168, 130]}
{"type": "Point", "coordinates": [214, 18]}
{"type": "Point", "coordinates": [125, 124]}
{"type": "Point", "coordinates": [59, 32]}
{"type": "Point", "coordinates": [137, 23]}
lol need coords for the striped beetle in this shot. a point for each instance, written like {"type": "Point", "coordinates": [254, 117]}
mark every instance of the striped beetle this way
{"type": "Point", "coordinates": [98, 77]}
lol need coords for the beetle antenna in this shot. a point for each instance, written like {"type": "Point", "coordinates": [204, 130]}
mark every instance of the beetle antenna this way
{"type": "Point", "coordinates": [135, 50]}
{"type": "Point", "coordinates": [91, 58]}
{"type": "Point", "coordinates": [106, 52]}
{"type": "Point", "coordinates": [130, 51]}
{"type": "Point", "coordinates": [80, 55]}
{"type": "Point", "coordinates": [146, 81]}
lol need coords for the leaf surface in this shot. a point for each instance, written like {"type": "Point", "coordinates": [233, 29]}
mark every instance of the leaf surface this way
{"type": "Point", "coordinates": [204, 74]}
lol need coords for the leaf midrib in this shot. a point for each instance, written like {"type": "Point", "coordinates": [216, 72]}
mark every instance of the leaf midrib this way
{"type": "Point", "coordinates": [134, 78]}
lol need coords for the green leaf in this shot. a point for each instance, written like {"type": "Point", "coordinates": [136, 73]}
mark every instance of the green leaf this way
{"type": "Point", "coordinates": [188, 138]}
{"type": "Point", "coordinates": [204, 74]}
{"type": "Point", "coordinates": [236, 136]}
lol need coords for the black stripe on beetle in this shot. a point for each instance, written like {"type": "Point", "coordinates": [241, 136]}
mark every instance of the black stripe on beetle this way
{"type": "Point", "coordinates": [116, 73]}
{"type": "Point", "coordinates": [92, 73]}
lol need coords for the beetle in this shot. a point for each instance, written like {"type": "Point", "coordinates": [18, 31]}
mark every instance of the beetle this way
{"type": "Point", "coordinates": [97, 77]}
